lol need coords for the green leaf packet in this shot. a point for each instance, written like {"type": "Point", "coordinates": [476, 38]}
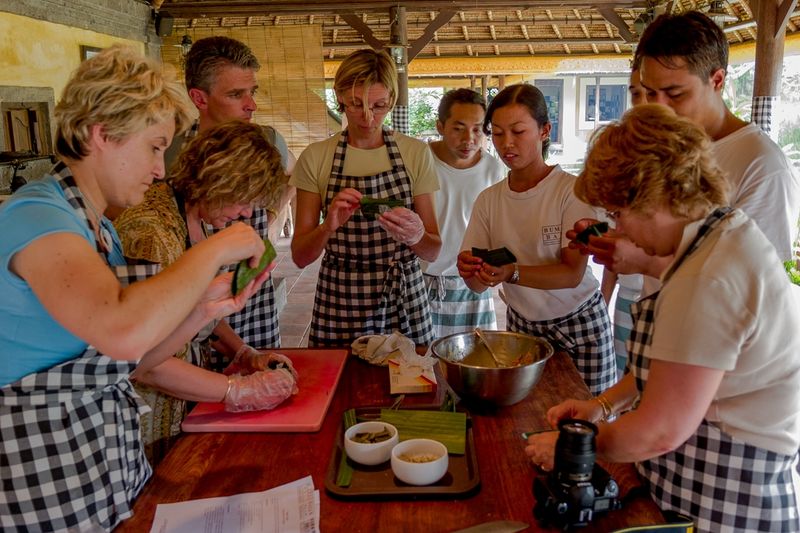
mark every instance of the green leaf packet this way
{"type": "Point", "coordinates": [244, 274]}
{"type": "Point", "coordinates": [372, 207]}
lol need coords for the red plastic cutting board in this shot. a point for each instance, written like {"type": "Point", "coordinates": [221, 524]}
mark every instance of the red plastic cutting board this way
{"type": "Point", "coordinates": [318, 371]}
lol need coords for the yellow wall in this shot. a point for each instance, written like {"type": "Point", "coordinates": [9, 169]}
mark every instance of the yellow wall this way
{"type": "Point", "coordinates": [34, 53]}
{"type": "Point", "coordinates": [746, 53]}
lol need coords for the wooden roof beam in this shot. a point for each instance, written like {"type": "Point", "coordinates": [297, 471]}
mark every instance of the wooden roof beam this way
{"type": "Point", "coordinates": [491, 42]}
{"type": "Point", "coordinates": [533, 21]}
{"type": "Point", "coordinates": [422, 41]}
{"type": "Point", "coordinates": [613, 17]}
{"type": "Point", "coordinates": [784, 13]}
{"type": "Point", "coordinates": [206, 8]}
{"type": "Point", "coordinates": [361, 27]}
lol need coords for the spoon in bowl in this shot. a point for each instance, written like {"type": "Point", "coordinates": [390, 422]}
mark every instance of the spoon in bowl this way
{"type": "Point", "coordinates": [479, 333]}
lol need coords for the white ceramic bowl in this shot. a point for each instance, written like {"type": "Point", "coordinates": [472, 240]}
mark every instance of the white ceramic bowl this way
{"type": "Point", "coordinates": [369, 453]}
{"type": "Point", "coordinates": [419, 473]}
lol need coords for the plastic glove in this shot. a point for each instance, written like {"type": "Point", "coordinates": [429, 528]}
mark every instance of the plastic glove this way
{"type": "Point", "coordinates": [403, 225]}
{"type": "Point", "coordinates": [248, 360]}
{"type": "Point", "coordinates": [259, 391]}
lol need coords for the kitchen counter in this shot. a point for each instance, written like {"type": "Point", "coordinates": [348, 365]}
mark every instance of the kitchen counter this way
{"type": "Point", "coordinates": [203, 465]}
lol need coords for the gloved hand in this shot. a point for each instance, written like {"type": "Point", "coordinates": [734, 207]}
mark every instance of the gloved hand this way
{"type": "Point", "coordinates": [248, 360]}
{"type": "Point", "coordinates": [403, 225]}
{"type": "Point", "coordinates": [259, 391]}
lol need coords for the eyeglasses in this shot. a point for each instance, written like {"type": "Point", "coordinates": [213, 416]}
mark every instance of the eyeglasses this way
{"type": "Point", "coordinates": [381, 108]}
{"type": "Point", "coordinates": [613, 215]}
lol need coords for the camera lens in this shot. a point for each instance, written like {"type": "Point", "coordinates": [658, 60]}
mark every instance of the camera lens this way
{"type": "Point", "coordinates": [575, 450]}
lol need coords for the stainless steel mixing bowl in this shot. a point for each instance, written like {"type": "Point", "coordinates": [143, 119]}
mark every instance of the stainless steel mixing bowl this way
{"type": "Point", "coordinates": [473, 374]}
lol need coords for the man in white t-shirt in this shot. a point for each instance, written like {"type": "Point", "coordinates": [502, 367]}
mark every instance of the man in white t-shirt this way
{"type": "Point", "coordinates": [683, 65]}
{"type": "Point", "coordinates": [464, 169]}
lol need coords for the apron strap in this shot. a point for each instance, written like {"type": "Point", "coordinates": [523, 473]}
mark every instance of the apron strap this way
{"type": "Point", "coordinates": [710, 223]}
{"type": "Point", "coordinates": [76, 199]}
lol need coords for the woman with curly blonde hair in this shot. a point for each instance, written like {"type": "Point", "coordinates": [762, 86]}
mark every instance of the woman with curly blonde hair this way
{"type": "Point", "coordinates": [221, 176]}
{"type": "Point", "coordinates": [710, 412]}
{"type": "Point", "coordinates": [74, 325]}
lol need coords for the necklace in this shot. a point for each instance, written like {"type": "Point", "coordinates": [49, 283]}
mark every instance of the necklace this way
{"type": "Point", "coordinates": [105, 235]}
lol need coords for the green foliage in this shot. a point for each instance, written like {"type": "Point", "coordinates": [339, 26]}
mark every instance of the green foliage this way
{"type": "Point", "coordinates": [790, 81]}
{"type": "Point", "coordinates": [423, 105]}
{"type": "Point", "coordinates": [789, 138]}
{"type": "Point", "coordinates": [791, 270]}
{"type": "Point", "coordinates": [738, 91]}
{"type": "Point", "coordinates": [333, 105]}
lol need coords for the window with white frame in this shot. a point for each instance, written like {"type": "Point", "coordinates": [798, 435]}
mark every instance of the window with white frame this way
{"type": "Point", "coordinates": [553, 91]}
{"type": "Point", "coordinates": [601, 100]}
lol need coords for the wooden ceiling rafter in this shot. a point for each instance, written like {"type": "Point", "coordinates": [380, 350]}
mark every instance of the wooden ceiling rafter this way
{"type": "Point", "coordinates": [430, 32]}
{"type": "Point", "coordinates": [618, 22]}
{"type": "Point", "coordinates": [365, 31]}
{"type": "Point", "coordinates": [784, 12]}
{"type": "Point", "coordinates": [449, 28]}
{"type": "Point", "coordinates": [207, 8]}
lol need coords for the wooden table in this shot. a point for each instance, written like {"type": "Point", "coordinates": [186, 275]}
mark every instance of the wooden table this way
{"type": "Point", "coordinates": [203, 465]}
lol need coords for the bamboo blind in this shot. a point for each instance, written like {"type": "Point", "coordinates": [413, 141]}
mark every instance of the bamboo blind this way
{"type": "Point", "coordinates": [291, 80]}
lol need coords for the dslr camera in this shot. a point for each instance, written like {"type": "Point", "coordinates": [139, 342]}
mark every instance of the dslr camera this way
{"type": "Point", "coordinates": [577, 488]}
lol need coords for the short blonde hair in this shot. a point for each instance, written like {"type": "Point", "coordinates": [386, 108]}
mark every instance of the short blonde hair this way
{"type": "Point", "coordinates": [650, 158]}
{"type": "Point", "coordinates": [231, 163]}
{"type": "Point", "coordinates": [366, 67]}
{"type": "Point", "coordinates": [122, 90]}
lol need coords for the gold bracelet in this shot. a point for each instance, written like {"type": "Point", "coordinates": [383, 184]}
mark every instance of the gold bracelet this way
{"type": "Point", "coordinates": [608, 409]}
{"type": "Point", "coordinates": [227, 391]}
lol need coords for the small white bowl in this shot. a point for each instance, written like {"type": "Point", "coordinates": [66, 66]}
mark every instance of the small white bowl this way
{"type": "Point", "coordinates": [419, 473]}
{"type": "Point", "coordinates": [367, 453]}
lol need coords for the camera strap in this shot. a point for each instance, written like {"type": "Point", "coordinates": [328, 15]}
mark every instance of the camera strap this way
{"type": "Point", "coordinates": [675, 523]}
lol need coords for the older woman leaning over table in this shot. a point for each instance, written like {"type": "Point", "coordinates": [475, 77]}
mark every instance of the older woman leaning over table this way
{"type": "Point", "coordinates": [220, 176]}
{"type": "Point", "coordinates": [714, 391]}
{"type": "Point", "coordinates": [73, 329]}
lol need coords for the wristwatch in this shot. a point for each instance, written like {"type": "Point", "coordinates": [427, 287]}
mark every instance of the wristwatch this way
{"type": "Point", "coordinates": [515, 276]}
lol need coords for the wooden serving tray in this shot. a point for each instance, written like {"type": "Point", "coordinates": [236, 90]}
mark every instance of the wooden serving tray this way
{"type": "Point", "coordinates": [379, 483]}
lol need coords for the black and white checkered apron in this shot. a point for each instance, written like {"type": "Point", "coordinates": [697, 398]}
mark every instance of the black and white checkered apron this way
{"type": "Point", "coordinates": [585, 334]}
{"type": "Point", "coordinates": [369, 284]}
{"type": "Point", "coordinates": [257, 322]}
{"type": "Point", "coordinates": [723, 483]}
{"type": "Point", "coordinates": [71, 456]}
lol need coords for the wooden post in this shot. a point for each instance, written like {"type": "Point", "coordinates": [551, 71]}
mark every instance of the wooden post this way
{"type": "Point", "coordinates": [485, 87]}
{"type": "Point", "coordinates": [398, 46]}
{"type": "Point", "coordinates": [769, 61]}
{"type": "Point", "coordinates": [501, 81]}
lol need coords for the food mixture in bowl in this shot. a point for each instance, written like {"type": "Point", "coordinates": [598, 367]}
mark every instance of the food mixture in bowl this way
{"type": "Point", "coordinates": [481, 357]}
{"type": "Point", "coordinates": [371, 437]}
{"type": "Point", "coordinates": [418, 457]}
